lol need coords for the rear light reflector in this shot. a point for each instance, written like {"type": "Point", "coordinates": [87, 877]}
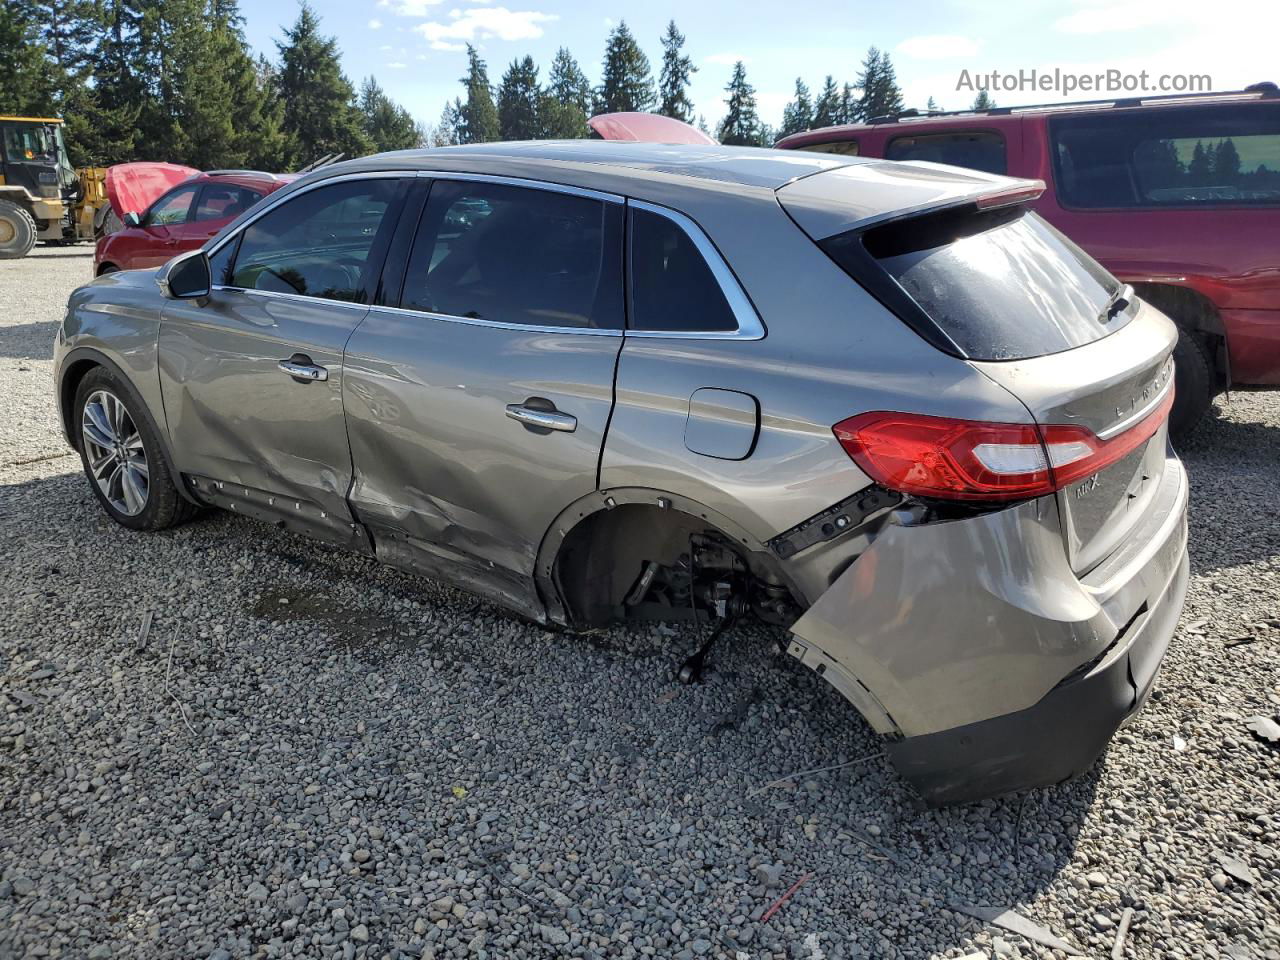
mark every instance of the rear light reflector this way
{"type": "Point", "coordinates": [955, 459]}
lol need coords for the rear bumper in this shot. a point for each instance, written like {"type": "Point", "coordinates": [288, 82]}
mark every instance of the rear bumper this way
{"type": "Point", "coordinates": [985, 661]}
{"type": "Point", "coordinates": [1056, 739]}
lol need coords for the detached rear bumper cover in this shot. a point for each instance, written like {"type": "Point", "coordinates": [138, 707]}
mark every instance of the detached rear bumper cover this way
{"type": "Point", "coordinates": [983, 678]}
{"type": "Point", "coordinates": [1058, 738]}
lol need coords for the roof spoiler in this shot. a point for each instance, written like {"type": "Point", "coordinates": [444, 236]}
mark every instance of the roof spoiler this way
{"type": "Point", "coordinates": [864, 195]}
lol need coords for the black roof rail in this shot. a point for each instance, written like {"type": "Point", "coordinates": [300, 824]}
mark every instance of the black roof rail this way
{"type": "Point", "coordinates": [1265, 90]}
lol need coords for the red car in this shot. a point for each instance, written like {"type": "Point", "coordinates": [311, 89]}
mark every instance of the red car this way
{"type": "Point", "coordinates": [157, 228]}
{"type": "Point", "coordinates": [1178, 196]}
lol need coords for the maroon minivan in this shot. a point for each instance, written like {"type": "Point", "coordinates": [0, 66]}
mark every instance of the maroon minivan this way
{"type": "Point", "coordinates": [1178, 196]}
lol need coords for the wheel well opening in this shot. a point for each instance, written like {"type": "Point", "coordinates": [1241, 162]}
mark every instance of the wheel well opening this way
{"type": "Point", "coordinates": [70, 383]}
{"type": "Point", "coordinates": [645, 562]}
{"type": "Point", "coordinates": [1195, 314]}
{"type": "Point", "coordinates": [105, 267]}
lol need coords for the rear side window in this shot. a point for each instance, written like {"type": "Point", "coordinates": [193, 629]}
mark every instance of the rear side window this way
{"type": "Point", "coordinates": [1002, 285]}
{"type": "Point", "coordinates": [517, 255]}
{"type": "Point", "coordinates": [672, 287]}
{"type": "Point", "coordinates": [975, 149]}
{"type": "Point", "coordinates": [1206, 156]}
{"type": "Point", "coordinates": [222, 201]}
{"type": "Point", "coordinates": [845, 148]}
{"type": "Point", "coordinates": [317, 243]}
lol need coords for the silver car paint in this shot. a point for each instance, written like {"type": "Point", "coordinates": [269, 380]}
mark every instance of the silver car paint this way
{"type": "Point", "coordinates": [910, 658]}
{"type": "Point", "coordinates": [235, 417]}
{"type": "Point", "coordinates": [437, 460]}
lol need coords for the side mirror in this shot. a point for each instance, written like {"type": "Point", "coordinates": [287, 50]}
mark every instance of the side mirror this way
{"type": "Point", "coordinates": [131, 219]}
{"type": "Point", "coordinates": [186, 277]}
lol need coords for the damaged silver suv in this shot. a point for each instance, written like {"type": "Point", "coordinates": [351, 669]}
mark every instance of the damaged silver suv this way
{"type": "Point", "coordinates": [880, 404]}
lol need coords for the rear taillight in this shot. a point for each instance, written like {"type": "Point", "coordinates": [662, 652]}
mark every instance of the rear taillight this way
{"type": "Point", "coordinates": [976, 460]}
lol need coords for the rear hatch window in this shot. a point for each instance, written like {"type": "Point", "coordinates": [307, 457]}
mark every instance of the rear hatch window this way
{"type": "Point", "coordinates": [996, 284]}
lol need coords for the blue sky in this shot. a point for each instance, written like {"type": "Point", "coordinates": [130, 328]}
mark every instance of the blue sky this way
{"type": "Point", "coordinates": [414, 47]}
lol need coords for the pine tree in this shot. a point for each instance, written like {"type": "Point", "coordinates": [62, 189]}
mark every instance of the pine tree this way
{"type": "Point", "coordinates": [849, 109]}
{"type": "Point", "coordinates": [1200, 169]}
{"type": "Point", "coordinates": [519, 99]}
{"type": "Point", "coordinates": [983, 100]}
{"type": "Point", "coordinates": [673, 81]}
{"type": "Point", "coordinates": [627, 80]}
{"type": "Point", "coordinates": [741, 124]}
{"type": "Point", "coordinates": [798, 114]}
{"type": "Point", "coordinates": [320, 113]}
{"type": "Point", "coordinates": [931, 106]}
{"type": "Point", "coordinates": [447, 131]}
{"type": "Point", "coordinates": [826, 110]}
{"type": "Point", "coordinates": [566, 100]}
{"type": "Point", "coordinates": [881, 95]}
{"type": "Point", "coordinates": [26, 87]}
{"type": "Point", "coordinates": [388, 125]}
{"type": "Point", "coordinates": [1226, 162]}
{"type": "Point", "coordinates": [478, 118]}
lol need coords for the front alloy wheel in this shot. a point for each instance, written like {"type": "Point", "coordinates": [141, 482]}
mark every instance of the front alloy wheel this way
{"type": "Point", "coordinates": [116, 455]}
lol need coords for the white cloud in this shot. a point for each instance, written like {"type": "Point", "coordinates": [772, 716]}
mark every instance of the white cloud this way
{"type": "Point", "coordinates": [484, 23]}
{"type": "Point", "coordinates": [937, 46]}
{"type": "Point", "coordinates": [396, 65]}
{"type": "Point", "coordinates": [726, 59]}
{"type": "Point", "coordinates": [410, 8]}
{"type": "Point", "coordinates": [375, 24]}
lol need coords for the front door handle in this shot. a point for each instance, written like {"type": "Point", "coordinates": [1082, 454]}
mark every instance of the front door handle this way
{"type": "Point", "coordinates": [302, 369]}
{"type": "Point", "coordinates": [542, 419]}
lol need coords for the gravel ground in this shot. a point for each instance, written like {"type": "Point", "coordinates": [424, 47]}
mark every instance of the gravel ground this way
{"type": "Point", "coordinates": [313, 756]}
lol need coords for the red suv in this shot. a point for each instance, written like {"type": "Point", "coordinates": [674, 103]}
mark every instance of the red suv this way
{"type": "Point", "coordinates": [1178, 196]}
{"type": "Point", "coordinates": [183, 218]}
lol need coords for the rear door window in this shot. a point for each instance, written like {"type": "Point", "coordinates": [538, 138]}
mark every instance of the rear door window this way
{"type": "Point", "coordinates": [516, 255]}
{"type": "Point", "coordinates": [1204, 156]}
{"type": "Point", "coordinates": [224, 201]}
{"type": "Point", "coordinates": [1001, 284]}
{"type": "Point", "coordinates": [318, 243]}
{"type": "Point", "coordinates": [975, 149]}
{"type": "Point", "coordinates": [673, 289]}
{"type": "Point", "coordinates": [171, 209]}
{"type": "Point", "coordinates": [844, 148]}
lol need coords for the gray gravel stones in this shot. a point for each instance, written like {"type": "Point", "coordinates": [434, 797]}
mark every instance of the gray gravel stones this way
{"type": "Point", "coordinates": [384, 767]}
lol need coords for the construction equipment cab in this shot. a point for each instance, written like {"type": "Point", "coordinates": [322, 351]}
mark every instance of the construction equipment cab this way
{"type": "Point", "coordinates": [39, 189]}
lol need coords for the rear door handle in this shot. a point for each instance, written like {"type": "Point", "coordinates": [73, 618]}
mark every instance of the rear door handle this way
{"type": "Point", "coordinates": [302, 369]}
{"type": "Point", "coordinates": [542, 419]}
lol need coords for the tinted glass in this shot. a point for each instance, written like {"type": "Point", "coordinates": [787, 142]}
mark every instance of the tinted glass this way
{"type": "Point", "coordinates": [976, 149]}
{"type": "Point", "coordinates": [223, 201]}
{"type": "Point", "coordinates": [1220, 155]}
{"type": "Point", "coordinates": [171, 209]}
{"type": "Point", "coordinates": [672, 288]}
{"type": "Point", "coordinates": [515, 255]}
{"type": "Point", "coordinates": [316, 244]}
{"type": "Point", "coordinates": [847, 148]}
{"type": "Point", "coordinates": [1002, 285]}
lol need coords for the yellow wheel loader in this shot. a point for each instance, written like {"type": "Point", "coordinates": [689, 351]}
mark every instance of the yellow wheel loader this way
{"type": "Point", "coordinates": [42, 197]}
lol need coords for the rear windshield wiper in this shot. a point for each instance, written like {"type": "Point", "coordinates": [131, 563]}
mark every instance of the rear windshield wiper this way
{"type": "Point", "coordinates": [1116, 304]}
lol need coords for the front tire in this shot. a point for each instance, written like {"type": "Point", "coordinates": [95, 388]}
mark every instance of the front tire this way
{"type": "Point", "coordinates": [121, 455]}
{"type": "Point", "coordinates": [17, 231]}
{"type": "Point", "coordinates": [1192, 384]}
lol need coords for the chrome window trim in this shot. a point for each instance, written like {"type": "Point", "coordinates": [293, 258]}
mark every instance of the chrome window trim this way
{"type": "Point", "coordinates": [292, 297]}
{"type": "Point", "coordinates": [284, 196]}
{"type": "Point", "coordinates": [750, 326]}
{"type": "Point", "coordinates": [523, 182]}
{"type": "Point", "coordinates": [498, 324]}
